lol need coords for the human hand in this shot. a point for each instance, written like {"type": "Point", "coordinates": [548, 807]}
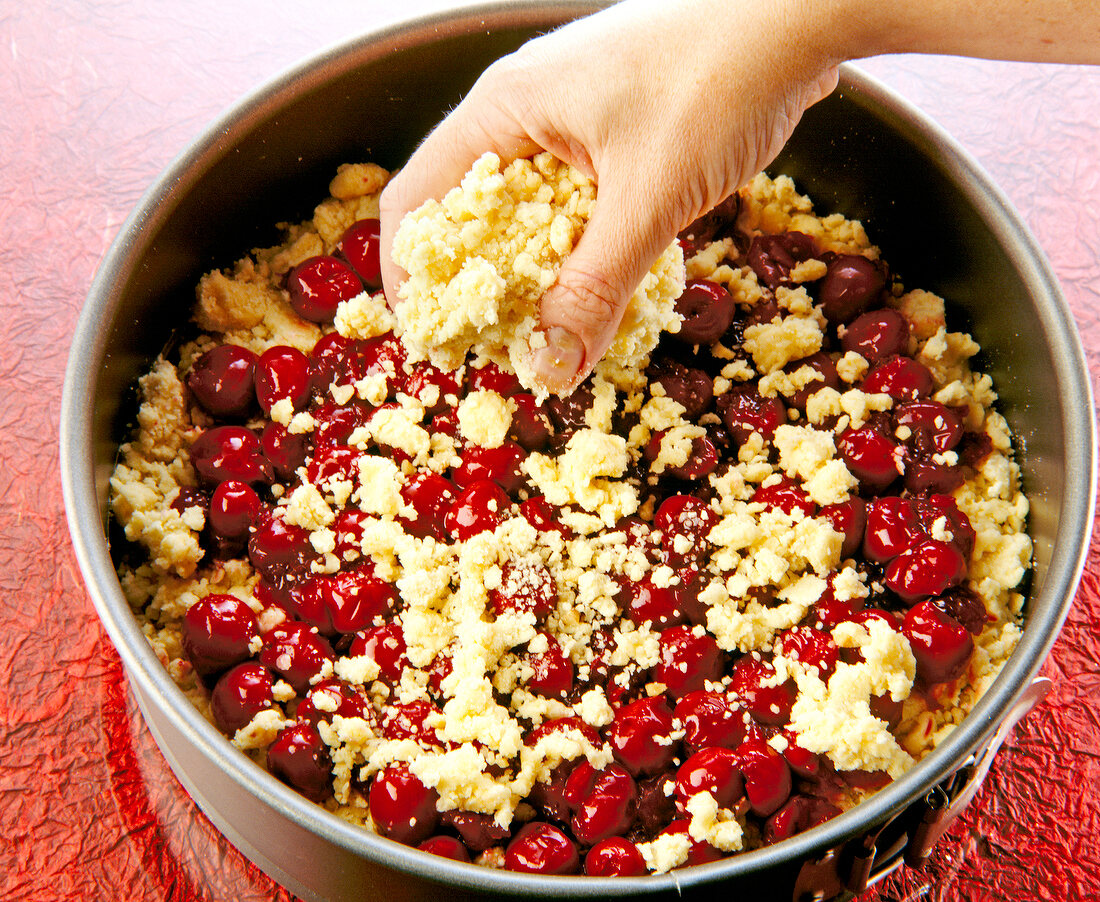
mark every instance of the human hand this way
{"type": "Point", "coordinates": [669, 106]}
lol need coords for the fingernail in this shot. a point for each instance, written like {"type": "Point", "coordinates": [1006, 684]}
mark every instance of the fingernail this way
{"type": "Point", "coordinates": [557, 363]}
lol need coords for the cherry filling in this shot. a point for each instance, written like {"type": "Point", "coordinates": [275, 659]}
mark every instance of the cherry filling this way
{"type": "Point", "coordinates": [218, 632]}
{"type": "Point", "coordinates": [223, 380]}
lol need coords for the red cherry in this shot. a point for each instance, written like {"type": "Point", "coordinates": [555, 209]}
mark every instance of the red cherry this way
{"type": "Point", "coordinates": [930, 508]}
{"type": "Point", "coordinates": [530, 423]}
{"type": "Point", "coordinates": [700, 851]}
{"type": "Point", "coordinates": [928, 568]}
{"type": "Point", "coordinates": [685, 522]}
{"type": "Point", "coordinates": [767, 704]}
{"type": "Point", "coordinates": [767, 776]}
{"type": "Point", "coordinates": [569, 413]}
{"type": "Point", "coordinates": [480, 507]}
{"type": "Point", "coordinates": [688, 661]}
{"type": "Point", "coordinates": [803, 762]}
{"type": "Point", "coordinates": [772, 257]}
{"type": "Point", "coordinates": [300, 758]}
{"type": "Point", "coordinates": [328, 361]}
{"type": "Point", "coordinates": [277, 547]}
{"type": "Point", "coordinates": [336, 422]}
{"type": "Point", "coordinates": [877, 334]}
{"type": "Point", "coordinates": [703, 458]}
{"type": "Point", "coordinates": [491, 377]}
{"type": "Point", "coordinates": [823, 365]}
{"type": "Point", "coordinates": [354, 599]}
{"type": "Point", "coordinates": [359, 246]}
{"type": "Point", "coordinates": [446, 847]}
{"type": "Point", "coordinates": [478, 831]}
{"type": "Point", "coordinates": [526, 586]}
{"type": "Point", "coordinates": [851, 284]}
{"type": "Point", "coordinates": [318, 285]}
{"type": "Point", "coordinates": [540, 848]}
{"type": "Point", "coordinates": [563, 725]}
{"type": "Point", "coordinates": [870, 456]}
{"type": "Point", "coordinates": [941, 645]}
{"type": "Point", "coordinates": [329, 698]}
{"type": "Point", "coordinates": [217, 632]}
{"type": "Point", "coordinates": [607, 808]}
{"type": "Point", "coordinates": [745, 411]}
{"type": "Point", "coordinates": [553, 671]}
{"type": "Point", "coordinates": [639, 736]}
{"type": "Point", "coordinates": [798, 813]}
{"type": "Point", "coordinates": [296, 652]}
{"type": "Point", "coordinates": [409, 720]}
{"type": "Point", "coordinates": [932, 426]}
{"type": "Point", "coordinates": [239, 695]}
{"type": "Point", "coordinates": [811, 647]}
{"type": "Point", "coordinates": [902, 378]}
{"type": "Point", "coordinates": [964, 606]}
{"type": "Point", "coordinates": [688, 386]}
{"type": "Point", "coordinates": [222, 380]}
{"type": "Point", "coordinates": [614, 857]}
{"type": "Point", "coordinates": [284, 450]}
{"type": "Point", "coordinates": [234, 507]}
{"type": "Point", "coordinates": [382, 355]}
{"type": "Point", "coordinates": [339, 462]}
{"type": "Point", "coordinates": [230, 452]}
{"type": "Point", "coordinates": [715, 770]}
{"type": "Point", "coordinates": [892, 527]}
{"type": "Point", "coordinates": [706, 309]}
{"type": "Point", "coordinates": [385, 645]}
{"type": "Point", "coordinates": [402, 807]}
{"type": "Point", "coordinates": [709, 719]}
{"type": "Point", "coordinates": [643, 602]}
{"type": "Point", "coordinates": [500, 464]}
{"type": "Point", "coordinates": [850, 519]}
{"type": "Point", "coordinates": [431, 496]}
{"type": "Point", "coordinates": [787, 496]}
{"type": "Point", "coordinates": [433, 388]}
{"type": "Point", "coordinates": [282, 372]}
{"type": "Point", "coordinates": [537, 511]}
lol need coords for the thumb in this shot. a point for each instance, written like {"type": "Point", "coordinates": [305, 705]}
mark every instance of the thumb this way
{"type": "Point", "coordinates": [580, 313]}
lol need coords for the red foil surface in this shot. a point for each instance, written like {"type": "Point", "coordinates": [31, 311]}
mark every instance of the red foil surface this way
{"type": "Point", "coordinates": [95, 99]}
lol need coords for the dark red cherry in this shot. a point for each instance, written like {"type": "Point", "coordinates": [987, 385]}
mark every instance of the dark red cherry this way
{"type": "Point", "coordinates": [329, 360]}
{"type": "Point", "coordinates": [478, 831]}
{"type": "Point", "coordinates": [849, 518]}
{"type": "Point", "coordinates": [432, 387]}
{"type": "Point", "coordinates": [607, 808]}
{"type": "Point", "coordinates": [689, 658]}
{"type": "Point", "coordinates": [707, 310]}
{"type": "Point", "coordinates": [703, 458]}
{"type": "Point", "coordinates": [941, 645]}
{"type": "Point", "coordinates": [745, 411]}
{"type": "Point", "coordinates": [787, 496]}
{"type": "Point", "coordinates": [688, 386]}
{"type": "Point", "coordinates": [930, 508]}
{"type": "Point", "coordinates": [966, 607]}
{"type": "Point", "coordinates": [234, 507]}
{"type": "Point", "coordinates": [222, 380]}
{"type": "Point", "coordinates": [491, 377]}
{"type": "Point", "coordinates": [798, 813]}
{"type": "Point", "coordinates": [336, 422]}
{"type": "Point", "coordinates": [402, 807]}
{"type": "Point", "coordinates": [684, 521]}
{"type": "Point", "coordinates": [410, 720]}
{"type": "Point", "coordinates": [870, 456]}
{"type": "Point", "coordinates": [542, 515]}
{"type": "Point", "coordinates": [811, 647]}
{"type": "Point", "coordinates": [541, 848]}
{"type": "Point", "coordinates": [480, 507]}
{"type": "Point", "coordinates": [446, 847]}
{"type": "Point", "coordinates": [332, 697]}
{"type": "Point", "coordinates": [644, 602]}
{"type": "Point", "coordinates": [530, 423]}
{"type": "Point", "coordinates": [431, 496]}
{"type": "Point", "coordinates": [802, 761]}
{"type": "Point", "coordinates": [709, 719]}
{"type": "Point", "coordinates": [218, 632]}
{"type": "Point", "coordinates": [717, 222]}
{"type": "Point", "coordinates": [286, 451]}
{"type": "Point", "coordinates": [876, 335]}
{"type": "Point", "coordinates": [552, 675]}
{"type": "Point", "coordinates": [851, 284]}
{"type": "Point", "coordinates": [932, 426]}
{"type": "Point", "coordinates": [296, 652]}
{"type": "Point", "coordinates": [526, 586]}
{"type": "Point", "coordinates": [715, 770]}
{"type": "Point", "coordinates": [928, 568]}
{"type": "Point", "coordinates": [823, 365]}
{"type": "Point", "coordinates": [767, 776]}
{"type": "Point", "coordinates": [318, 285]}
{"type": "Point", "coordinates": [300, 758]}
{"type": "Point", "coordinates": [902, 378]}
{"type": "Point", "coordinates": [230, 452]}
{"type": "Point", "coordinates": [385, 645]}
{"type": "Point", "coordinates": [283, 372]}
{"type": "Point", "coordinates": [383, 355]}
{"type": "Point", "coordinates": [354, 599]}
{"type": "Point", "coordinates": [772, 257]}
{"type": "Point", "coordinates": [614, 857]}
{"type": "Point", "coordinates": [276, 545]}
{"type": "Point", "coordinates": [359, 246]}
{"type": "Point", "coordinates": [639, 736]}
{"type": "Point", "coordinates": [500, 464]}
{"type": "Point", "coordinates": [239, 695]}
{"type": "Point", "coordinates": [751, 680]}
{"type": "Point", "coordinates": [329, 462]}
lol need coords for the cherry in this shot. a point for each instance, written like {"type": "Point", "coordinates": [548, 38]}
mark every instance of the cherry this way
{"type": "Point", "coordinates": [188, 497]}
{"type": "Point", "coordinates": [709, 719]}
{"type": "Point", "coordinates": [284, 450]}
{"type": "Point", "coordinates": [222, 380]}
{"type": "Point", "coordinates": [685, 385]}
{"type": "Point", "coordinates": [902, 378]}
{"type": "Point", "coordinates": [537, 511]}
{"type": "Point", "coordinates": [336, 422]}
{"type": "Point", "coordinates": [526, 587]}
{"type": "Point", "coordinates": [446, 847]}
{"type": "Point", "coordinates": [643, 602]}
{"type": "Point", "coordinates": [277, 546]}
{"type": "Point", "coordinates": [965, 606]}
{"type": "Point", "coordinates": [385, 645]}
{"type": "Point", "coordinates": [851, 284]}
{"type": "Point", "coordinates": [359, 246]}
{"type": "Point", "coordinates": [480, 507]}
{"type": "Point", "coordinates": [750, 681]}
{"type": "Point", "coordinates": [239, 695]}
{"type": "Point", "coordinates": [787, 496]}
{"type": "Point", "coordinates": [614, 857]}
{"type": "Point", "coordinates": [772, 257]}
{"type": "Point", "coordinates": [300, 758]}
{"type": "Point", "coordinates": [715, 223]}
{"type": "Point", "coordinates": [706, 309]}
{"type": "Point", "coordinates": [352, 600]}
{"type": "Point", "coordinates": [329, 462]}
{"type": "Point", "coordinates": [431, 496]}
{"type": "Point", "coordinates": [823, 365]}
{"type": "Point", "coordinates": [230, 452]}
{"type": "Point", "coordinates": [639, 736]}
{"type": "Point", "coordinates": [870, 456]}
{"type": "Point", "coordinates": [930, 508]}
{"type": "Point", "coordinates": [689, 659]}
{"type": "Point", "coordinates": [715, 770]}
{"type": "Point", "coordinates": [329, 361]}
{"type": "Point", "coordinates": [401, 806]}
{"type": "Point", "coordinates": [607, 808]}
{"type": "Point", "coordinates": [478, 831]}
{"type": "Point", "coordinates": [745, 411]}
{"type": "Point", "coordinates": [798, 813]}
{"type": "Point", "coordinates": [850, 519]}
{"type": "Point", "coordinates": [283, 372]}
{"type": "Point", "coordinates": [491, 377]}
{"type": "Point", "coordinates": [892, 527]}
{"type": "Point", "coordinates": [433, 388]}
{"type": "Point", "coordinates": [702, 459]}
{"type": "Point", "coordinates": [941, 645]}
{"type": "Point", "coordinates": [924, 475]}
{"type": "Point", "coordinates": [234, 507]}
{"type": "Point", "coordinates": [685, 522]}
{"type": "Point", "coordinates": [217, 632]}
{"type": "Point", "coordinates": [296, 652]}
{"type": "Point", "coordinates": [332, 697]}
{"type": "Point", "coordinates": [318, 285]}
{"type": "Point", "coordinates": [813, 648]}
{"type": "Point", "coordinates": [563, 725]}
{"type": "Point", "coordinates": [441, 667]}
{"type": "Point", "coordinates": [409, 720]}
{"type": "Point", "coordinates": [876, 335]}
{"type": "Point", "coordinates": [500, 464]}
{"type": "Point", "coordinates": [828, 613]}
{"type": "Point", "coordinates": [928, 568]}
{"type": "Point", "coordinates": [932, 426]}
{"type": "Point", "coordinates": [530, 423]}
{"type": "Point", "coordinates": [553, 671]}
{"type": "Point", "coordinates": [568, 413]}
{"type": "Point", "coordinates": [802, 761]}
{"type": "Point", "coordinates": [541, 848]}
{"type": "Point", "coordinates": [886, 709]}
{"type": "Point", "coordinates": [383, 355]}
{"type": "Point", "coordinates": [767, 776]}
{"type": "Point", "coordinates": [700, 851]}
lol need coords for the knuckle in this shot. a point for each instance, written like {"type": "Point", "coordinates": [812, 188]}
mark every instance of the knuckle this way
{"type": "Point", "coordinates": [589, 301]}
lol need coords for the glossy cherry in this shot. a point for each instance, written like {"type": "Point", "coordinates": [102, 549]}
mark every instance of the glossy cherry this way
{"type": "Point", "coordinates": [282, 373]}
{"type": "Point", "coordinates": [707, 310]}
{"type": "Point", "coordinates": [286, 451]}
{"type": "Point", "coordinates": [239, 695]}
{"type": "Point", "coordinates": [772, 257]}
{"type": "Point", "coordinates": [402, 807]}
{"type": "Point", "coordinates": [811, 647]}
{"type": "Point", "coordinates": [930, 567]}
{"type": "Point", "coordinates": [296, 652]}
{"type": "Point", "coordinates": [234, 507]}
{"type": "Point", "coordinates": [767, 776]}
{"type": "Point", "coordinates": [359, 246]}
{"type": "Point", "coordinates": [745, 411]}
{"type": "Point", "coordinates": [526, 586]}
{"type": "Point", "coordinates": [851, 284]}
{"type": "Point", "coordinates": [639, 736]}
{"type": "Point", "coordinates": [530, 426]}
{"type": "Point", "coordinates": [385, 645]}
{"type": "Point", "coordinates": [552, 675]}
{"type": "Point", "coordinates": [709, 719]}
{"type": "Point", "coordinates": [223, 380]}
{"type": "Point", "coordinates": [300, 758]}
{"type": "Point", "coordinates": [431, 496]}
{"type": "Point", "coordinates": [446, 847]}
{"type": "Point", "coordinates": [435, 389]}
{"type": "Point", "coordinates": [822, 364]}
{"type": "Point", "coordinates": [941, 645]}
{"type": "Point", "coordinates": [479, 507]}
{"type": "Point", "coordinates": [715, 770]}
{"type": "Point", "coordinates": [689, 386]}
{"type": "Point", "coordinates": [318, 285]}
{"type": "Point", "coordinates": [230, 452]}
{"type": "Point", "coordinates": [876, 335]}
{"type": "Point", "coordinates": [607, 808]}
{"type": "Point", "coordinates": [689, 658]}
{"type": "Point", "coordinates": [849, 518]}
{"type": "Point", "coordinates": [902, 378]}
{"type": "Point", "coordinates": [218, 632]}
{"type": "Point", "coordinates": [870, 456]}
{"type": "Point", "coordinates": [330, 698]}
{"type": "Point", "coordinates": [750, 682]}
{"type": "Point", "coordinates": [614, 857]}
{"type": "Point", "coordinates": [500, 464]}
{"type": "Point", "coordinates": [541, 848]}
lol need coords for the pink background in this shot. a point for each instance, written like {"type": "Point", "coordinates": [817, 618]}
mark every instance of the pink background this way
{"type": "Point", "coordinates": [95, 99]}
